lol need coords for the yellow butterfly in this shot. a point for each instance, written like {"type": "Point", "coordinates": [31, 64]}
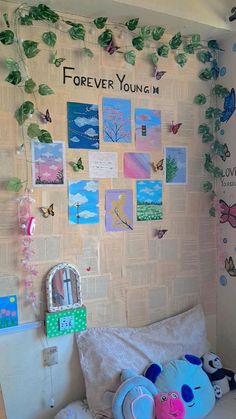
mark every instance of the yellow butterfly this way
{"type": "Point", "coordinates": [47, 211]}
{"type": "Point", "coordinates": [158, 166]}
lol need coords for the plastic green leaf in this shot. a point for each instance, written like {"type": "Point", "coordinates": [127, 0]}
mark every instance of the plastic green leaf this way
{"type": "Point", "coordinates": [100, 22]}
{"type": "Point", "coordinates": [204, 56]}
{"type": "Point", "coordinates": [196, 39]}
{"type": "Point", "coordinates": [6, 19]}
{"type": "Point", "coordinates": [14, 184]}
{"type": "Point", "coordinates": [200, 99]}
{"type": "Point", "coordinates": [14, 77]}
{"type": "Point", "coordinates": [132, 24]}
{"type": "Point", "coordinates": [212, 212]}
{"type": "Point", "coordinates": [11, 64]}
{"type": "Point", "coordinates": [181, 59]}
{"type": "Point", "coordinates": [207, 186]}
{"type": "Point", "coordinates": [163, 51]}
{"type": "Point", "coordinates": [207, 138]}
{"type": "Point", "coordinates": [45, 136]}
{"type": "Point", "coordinates": [138, 43]}
{"type": "Point", "coordinates": [217, 172]}
{"type": "Point", "coordinates": [77, 31]}
{"type": "Point", "coordinates": [213, 44]}
{"type": "Point", "coordinates": [217, 125]}
{"type": "Point", "coordinates": [220, 91]}
{"type": "Point", "coordinates": [158, 32]}
{"type": "Point", "coordinates": [88, 52]}
{"type": "Point", "coordinates": [154, 58]}
{"type": "Point", "coordinates": [29, 86]}
{"type": "Point", "coordinates": [203, 129]}
{"type": "Point", "coordinates": [146, 32]}
{"type": "Point", "coordinates": [176, 41]}
{"type": "Point", "coordinates": [130, 57]}
{"type": "Point", "coordinates": [33, 130]}
{"type": "Point", "coordinates": [205, 74]}
{"type": "Point", "coordinates": [209, 114]}
{"type": "Point", "coordinates": [105, 38]}
{"type": "Point", "coordinates": [30, 48]}
{"type": "Point", "coordinates": [218, 148]}
{"type": "Point", "coordinates": [7, 37]}
{"type": "Point", "coordinates": [25, 20]}
{"type": "Point", "coordinates": [23, 112]}
{"type": "Point", "coordinates": [49, 38]}
{"type": "Point", "coordinates": [45, 90]}
{"type": "Point", "coordinates": [43, 12]}
{"type": "Point", "coordinates": [189, 49]}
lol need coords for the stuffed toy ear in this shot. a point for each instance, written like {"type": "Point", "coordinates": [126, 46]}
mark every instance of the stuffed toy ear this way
{"type": "Point", "coordinates": [192, 359]}
{"type": "Point", "coordinates": [152, 372]}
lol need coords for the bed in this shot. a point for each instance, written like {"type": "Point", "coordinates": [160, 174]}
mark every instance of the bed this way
{"type": "Point", "coordinates": [104, 352]}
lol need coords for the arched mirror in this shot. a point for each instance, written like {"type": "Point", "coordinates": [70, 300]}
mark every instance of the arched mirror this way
{"type": "Point", "coordinates": [63, 288]}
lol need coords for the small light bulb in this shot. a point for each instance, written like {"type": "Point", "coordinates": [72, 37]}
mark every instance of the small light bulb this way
{"type": "Point", "coordinates": [52, 403]}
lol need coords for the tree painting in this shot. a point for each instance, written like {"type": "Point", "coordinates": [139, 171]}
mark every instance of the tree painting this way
{"type": "Point", "coordinates": [176, 165]}
{"type": "Point", "coordinates": [119, 210]}
{"type": "Point", "coordinates": [116, 120]}
{"type": "Point", "coordinates": [171, 169]}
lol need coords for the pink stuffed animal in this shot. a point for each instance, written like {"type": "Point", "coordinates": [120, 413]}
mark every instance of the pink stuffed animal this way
{"type": "Point", "coordinates": [169, 405]}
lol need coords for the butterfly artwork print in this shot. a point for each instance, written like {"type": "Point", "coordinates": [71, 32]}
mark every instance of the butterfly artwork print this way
{"type": "Point", "coordinates": [77, 166]}
{"type": "Point", "coordinates": [159, 233]}
{"type": "Point", "coordinates": [158, 74]}
{"type": "Point", "coordinates": [229, 106]}
{"type": "Point", "coordinates": [228, 213]}
{"type": "Point", "coordinates": [111, 48]}
{"type": "Point", "coordinates": [174, 128]}
{"type": "Point", "coordinates": [226, 153]}
{"type": "Point", "coordinates": [157, 166]}
{"type": "Point", "coordinates": [230, 267]}
{"type": "Point", "coordinates": [47, 211]}
{"type": "Point", "coordinates": [45, 117]}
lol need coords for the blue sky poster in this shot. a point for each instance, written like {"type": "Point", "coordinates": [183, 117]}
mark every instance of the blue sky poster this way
{"type": "Point", "coordinates": [116, 120]}
{"type": "Point", "coordinates": [176, 165]}
{"type": "Point", "coordinates": [83, 125]}
{"type": "Point", "coordinates": [8, 311]}
{"type": "Point", "coordinates": [83, 202]}
{"type": "Point", "coordinates": [149, 200]}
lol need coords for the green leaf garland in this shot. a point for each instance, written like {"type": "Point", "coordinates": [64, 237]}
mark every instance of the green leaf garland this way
{"type": "Point", "coordinates": [7, 37]}
{"type": "Point", "coordinates": [14, 184]}
{"type": "Point", "coordinates": [138, 43]}
{"type": "Point", "coordinates": [30, 48]}
{"type": "Point", "coordinates": [158, 32]}
{"type": "Point", "coordinates": [132, 24]}
{"type": "Point", "coordinates": [100, 22]}
{"type": "Point", "coordinates": [49, 38]}
{"type": "Point", "coordinates": [77, 32]}
{"type": "Point", "coordinates": [105, 38]}
{"type": "Point", "coordinates": [29, 86]}
{"type": "Point", "coordinates": [24, 111]}
{"type": "Point", "coordinates": [45, 90]}
{"type": "Point", "coordinates": [130, 57]}
{"type": "Point", "coordinates": [33, 130]}
{"type": "Point", "coordinates": [14, 77]}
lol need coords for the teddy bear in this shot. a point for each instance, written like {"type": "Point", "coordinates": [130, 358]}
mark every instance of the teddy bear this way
{"type": "Point", "coordinates": [222, 379]}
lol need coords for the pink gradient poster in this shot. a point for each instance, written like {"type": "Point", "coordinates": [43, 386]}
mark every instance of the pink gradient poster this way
{"type": "Point", "coordinates": [147, 129]}
{"type": "Point", "coordinates": [137, 165]}
{"type": "Point", "coordinates": [48, 164]}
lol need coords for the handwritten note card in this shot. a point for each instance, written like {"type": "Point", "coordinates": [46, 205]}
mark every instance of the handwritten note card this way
{"type": "Point", "coordinates": [103, 164]}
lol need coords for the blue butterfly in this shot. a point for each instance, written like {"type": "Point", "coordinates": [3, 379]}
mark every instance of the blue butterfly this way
{"type": "Point", "coordinates": [229, 106]}
{"type": "Point", "coordinates": [215, 71]}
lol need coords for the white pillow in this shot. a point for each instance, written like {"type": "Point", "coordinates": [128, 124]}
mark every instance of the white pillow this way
{"type": "Point", "coordinates": [104, 352]}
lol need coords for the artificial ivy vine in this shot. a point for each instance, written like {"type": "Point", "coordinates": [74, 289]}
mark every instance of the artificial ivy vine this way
{"type": "Point", "coordinates": [181, 46]}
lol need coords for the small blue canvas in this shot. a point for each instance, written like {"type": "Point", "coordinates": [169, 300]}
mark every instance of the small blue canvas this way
{"type": "Point", "coordinates": [8, 311]}
{"type": "Point", "coordinates": [83, 125]}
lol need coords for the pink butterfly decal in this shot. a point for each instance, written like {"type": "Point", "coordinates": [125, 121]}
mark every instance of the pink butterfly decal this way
{"type": "Point", "coordinates": [159, 233]}
{"type": "Point", "coordinates": [45, 117]}
{"type": "Point", "coordinates": [111, 47]}
{"type": "Point", "coordinates": [174, 128]}
{"type": "Point", "coordinates": [228, 213]}
{"type": "Point", "coordinates": [158, 74]}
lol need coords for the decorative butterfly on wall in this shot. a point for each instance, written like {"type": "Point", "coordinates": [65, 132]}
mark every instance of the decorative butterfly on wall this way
{"type": "Point", "coordinates": [77, 166]}
{"type": "Point", "coordinates": [228, 213]}
{"type": "Point", "coordinates": [159, 233]}
{"type": "Point", "coordinates": [45, 117]}
{"type": "Point", "coordinates": [47, 211]}
{"type": "Point", "coordinates": [230, 267]}
{"type": "Point", "coordinates": [158, 74]}
{"type": "Point", "coordinates": [111, 48]}
{"type": "Point", "coordinates": [226, 153]}
{"type": "Point", "coordinates": [215, 70]}
{"type": "Point", "coordinates": [157, 166]}
{"type": "Point", "coordinates": [174, 128]}
{"type": "Point", "coordinates": [229, 106]}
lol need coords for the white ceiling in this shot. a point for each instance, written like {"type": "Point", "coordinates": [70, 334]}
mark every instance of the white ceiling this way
{"type": "Point", "coordinates": [207, 17]}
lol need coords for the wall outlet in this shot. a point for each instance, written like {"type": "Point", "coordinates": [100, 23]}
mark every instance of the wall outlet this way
{"type": "Point", "coordinates": [50, 356]}
{"type": "Point", "coordinates": [66, 323]}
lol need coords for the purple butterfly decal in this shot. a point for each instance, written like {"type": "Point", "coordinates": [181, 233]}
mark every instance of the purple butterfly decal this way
{"type": "Point", "coordinates": [111, 47]}
{"type": "Point", "coordinates": [175, 127]}
{"type": "Point", "coordinates": [158, 74]}
{"type": "Point", "coordinates": [45, 117]}
{"type": "Point", "coordinates": [159, 233]}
